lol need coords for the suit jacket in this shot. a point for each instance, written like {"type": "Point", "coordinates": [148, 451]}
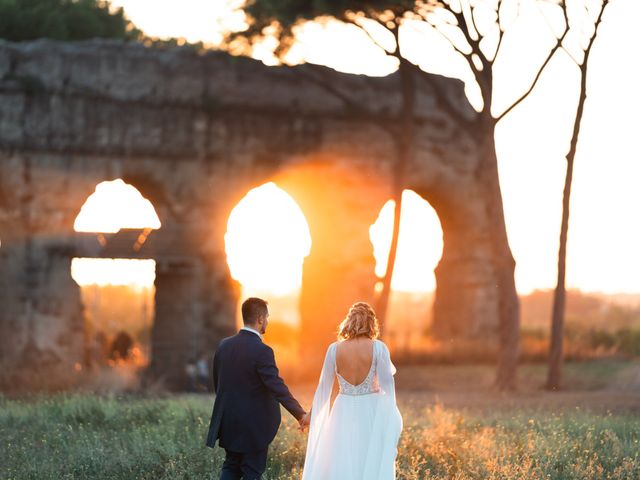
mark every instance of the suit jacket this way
{"type": "Point", "coordinates": [248, 387]}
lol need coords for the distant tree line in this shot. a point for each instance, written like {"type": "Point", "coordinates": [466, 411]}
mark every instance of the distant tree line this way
{"type": "Point", "coordinates": [583, 310]}
{"type": "Point", "coordinates": [67, 20]}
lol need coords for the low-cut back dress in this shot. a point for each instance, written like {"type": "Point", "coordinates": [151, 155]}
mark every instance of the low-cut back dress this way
{"type": "Point", "coordinates": [357, 437]}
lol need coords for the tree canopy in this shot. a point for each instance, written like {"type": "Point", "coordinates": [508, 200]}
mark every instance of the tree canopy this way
{"type": "Point", "coordinates": [474, 29]}
{"type": "Point", "coordinates": [279, 17]}
{"type": "Point", "coordinates": [68, 20]}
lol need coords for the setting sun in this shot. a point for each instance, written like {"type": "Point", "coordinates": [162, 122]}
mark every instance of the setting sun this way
{"type": "Point", "coordinates": [419, 244]}
{"type": "Point", "coordinates": [266, 242]}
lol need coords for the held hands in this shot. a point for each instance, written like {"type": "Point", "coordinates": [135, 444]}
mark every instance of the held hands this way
{"type": "Point", "coordinates": [304, 422]}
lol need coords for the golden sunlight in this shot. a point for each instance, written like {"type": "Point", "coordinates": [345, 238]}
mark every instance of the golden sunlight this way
{"type": "Point", "coordinates": [266, 242]}
{"type": "Point", "coordinates": [527, 165]}
{"type": "Point", "coordinates": [138, 274]}
{"type": "Point", "coordinates": [115, 205]}
{"type": "Point", "coordinates": [419, 244]}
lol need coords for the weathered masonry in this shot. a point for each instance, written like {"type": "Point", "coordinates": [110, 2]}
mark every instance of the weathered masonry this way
{"type": "Point", "coordinates": [194, 132]}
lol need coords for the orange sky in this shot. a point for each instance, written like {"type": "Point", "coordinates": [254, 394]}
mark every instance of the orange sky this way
{"type": "Point", "coordinates": [531, 141]}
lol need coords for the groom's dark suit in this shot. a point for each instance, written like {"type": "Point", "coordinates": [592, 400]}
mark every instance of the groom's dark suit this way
{"type": "Point", "coordinates": [246, 412]}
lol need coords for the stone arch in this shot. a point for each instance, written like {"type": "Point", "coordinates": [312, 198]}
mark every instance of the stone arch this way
{"type": "Point", "coordinates": [191, 295]}
{"type": "Point", "coordinates": [192, 308]}
{"type": "Point", "coordinates": [128, 247]}
{"type": "Point", "coordinates": [339, 202]}
{"type": "Point", "coordinates": [410, 307]}
{"type": "Point", "coordinates": [255, 124]}
{"type": "Point", "coordinates": [339, 194]}
{"type": "Point", "coordinates": [145, 181]}
{"type": "Point", "coordinates": [465, 307]}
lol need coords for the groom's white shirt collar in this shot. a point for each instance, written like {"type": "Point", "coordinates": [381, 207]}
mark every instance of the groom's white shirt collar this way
{"type": "Point", "coordinates": [249, 329]}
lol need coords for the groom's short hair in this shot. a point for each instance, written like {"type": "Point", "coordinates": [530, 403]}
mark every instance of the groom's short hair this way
{"type": "Point", "coordinates": [252, 309]}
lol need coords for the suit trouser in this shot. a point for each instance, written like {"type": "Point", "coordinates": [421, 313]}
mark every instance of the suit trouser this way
{"type": "Point", "coordinates": [248, 466]}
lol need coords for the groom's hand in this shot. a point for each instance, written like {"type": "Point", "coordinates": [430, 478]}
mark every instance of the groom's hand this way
{"type": "Point", "coordinates": [305, 421]}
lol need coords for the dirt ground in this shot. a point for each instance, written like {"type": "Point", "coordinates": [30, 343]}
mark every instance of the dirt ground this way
{"type": "Point", "coordinates": [599, 386]}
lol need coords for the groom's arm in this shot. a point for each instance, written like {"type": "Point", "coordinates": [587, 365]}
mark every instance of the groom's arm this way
{"type": "Point", "coordinates": [268, 371]}
{"type": "Point", "coordinates": [214, 371]}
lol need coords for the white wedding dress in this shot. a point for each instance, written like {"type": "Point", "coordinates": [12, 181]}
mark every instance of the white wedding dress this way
{"type": "Point", "coordinates": [357, 438]}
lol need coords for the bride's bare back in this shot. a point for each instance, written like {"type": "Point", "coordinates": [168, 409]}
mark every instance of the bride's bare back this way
{"type": "Point", "coordinates": [353, 359]}
{"type": "Point", "coordinates": [355, 424]}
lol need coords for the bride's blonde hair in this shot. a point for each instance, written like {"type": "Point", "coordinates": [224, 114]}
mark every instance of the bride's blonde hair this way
{"type": "Point", "coordinates": [360, 321]}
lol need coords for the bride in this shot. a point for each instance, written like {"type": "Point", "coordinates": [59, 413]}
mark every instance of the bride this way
{"type": "Point", "coordinates": [356, 438]}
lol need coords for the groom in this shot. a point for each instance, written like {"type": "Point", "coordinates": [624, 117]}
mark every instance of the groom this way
{"type": "Point", "coordinates": [246, 412]}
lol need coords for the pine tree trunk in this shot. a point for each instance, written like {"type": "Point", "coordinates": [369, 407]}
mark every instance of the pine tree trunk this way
{"type": "Point", "coordinates": [403, 139]}
{"type": "Point", "coordinates": [508, 302]}
{"type": "Point", "coordinates": [554, 374]}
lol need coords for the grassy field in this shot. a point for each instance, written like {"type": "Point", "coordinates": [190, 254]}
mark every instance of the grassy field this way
{"type": "Point", "coordinates": [449, 434]}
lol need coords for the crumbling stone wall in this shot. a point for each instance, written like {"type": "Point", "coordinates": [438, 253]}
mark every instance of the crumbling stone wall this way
{"type": "Point", "coordinates": [194, 132]}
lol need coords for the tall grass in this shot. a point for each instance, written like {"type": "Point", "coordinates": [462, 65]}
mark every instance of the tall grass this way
{"type": "Point", "coordinates": [125, 438]}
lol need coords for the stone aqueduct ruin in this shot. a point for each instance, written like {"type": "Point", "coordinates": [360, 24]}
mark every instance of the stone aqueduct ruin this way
{"type": "Point", "coordinates": [193, 133]}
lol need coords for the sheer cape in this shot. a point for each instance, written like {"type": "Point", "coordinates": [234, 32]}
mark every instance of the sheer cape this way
{"type": "Point", "coordinates": [376, 451]}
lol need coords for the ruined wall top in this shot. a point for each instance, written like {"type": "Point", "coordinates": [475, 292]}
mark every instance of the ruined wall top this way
{"type": "Point", "coordinates": [131, 72]}
{"type": "Point", "coordinates": [108, 109]}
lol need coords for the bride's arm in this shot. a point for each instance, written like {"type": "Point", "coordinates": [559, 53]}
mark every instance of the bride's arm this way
{"type": "Point", "coordinates": [334, 392]}
{"type": "Point", "coordinates": [323, 393]}
{"type": "Point", "coordinates": [319, 412]}
{"type": "Point", "coordinates": [386, 371]}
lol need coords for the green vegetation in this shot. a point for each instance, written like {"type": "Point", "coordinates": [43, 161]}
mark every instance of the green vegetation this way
{"type": "Point", "coordinates": [85, 436]}
{"type": "Point", "coordinates": [68, 20]}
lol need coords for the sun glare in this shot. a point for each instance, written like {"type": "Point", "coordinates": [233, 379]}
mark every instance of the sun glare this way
{"type": "Point", "coordinates": [113, 271]}
{"type": "Point", "coordinates": [419, 244]}
{"type": "Point", "coordinates": [266, 242]}
{"type": "Point", "coordinates": [527, 165]}
{"type": "Point", "coordinates": [115, 205]}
